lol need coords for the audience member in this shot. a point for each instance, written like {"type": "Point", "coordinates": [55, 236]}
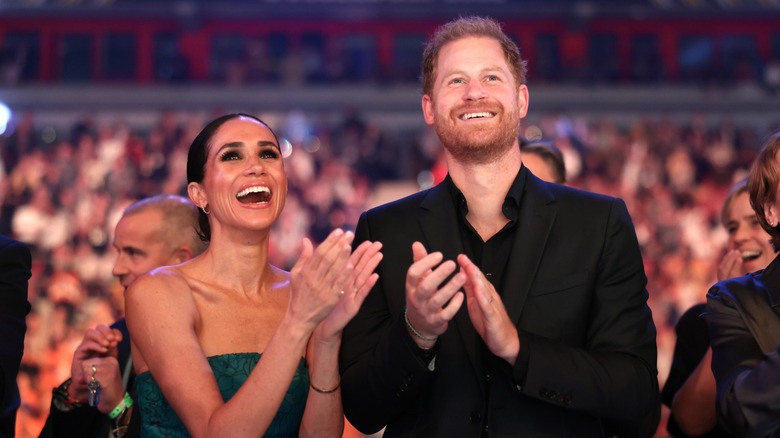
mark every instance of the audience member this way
{"type": "Point", "coordinates": [544, 160]}
{"type": "Point", "coordinates": [555, 337]}
{"type": "Point", "coordinates": [15, 262]}
{"type": "Point", "coordinates": [744, 321]}
{"type": "Point", "coordinates": [200, 328]}
{"type": "Point", "coordinates": [690, 388]}
{"type": "Point", "coordinates": [153, 232]}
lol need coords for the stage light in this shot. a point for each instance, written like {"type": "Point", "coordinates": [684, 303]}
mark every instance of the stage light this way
{"type": "Point", "coordinates": [5, 116]}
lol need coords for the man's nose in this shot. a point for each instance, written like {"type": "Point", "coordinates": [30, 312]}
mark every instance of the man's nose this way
{"type": "Point", "coordinates": [120, 268]}
{"type": "Point", "coordinates": [475, 90]}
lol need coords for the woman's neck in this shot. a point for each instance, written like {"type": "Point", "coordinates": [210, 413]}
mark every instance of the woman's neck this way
{"type": "Point", "coordinates": [238, 261]}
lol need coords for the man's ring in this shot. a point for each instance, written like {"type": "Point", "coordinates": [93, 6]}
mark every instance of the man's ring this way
{"type": "Point", "coordinates": [94, 370]}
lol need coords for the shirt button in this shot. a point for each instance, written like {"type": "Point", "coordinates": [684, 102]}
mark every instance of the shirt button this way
{"type": "Point", "coordinates": [489, 275]}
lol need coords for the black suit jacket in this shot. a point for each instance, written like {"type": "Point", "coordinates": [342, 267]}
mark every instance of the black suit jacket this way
{"type": "Point", "coordinates": [88, 422]}
{"type": "Point", "coordinates": [574, 284]}
{"type": "Point", "coordinates": [15, 265]}
{"type": "Point", "coordinates": [744, 322]}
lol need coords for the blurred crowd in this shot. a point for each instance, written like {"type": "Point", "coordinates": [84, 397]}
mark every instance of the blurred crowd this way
{"type": "Point", "coordinates": [63, 191]}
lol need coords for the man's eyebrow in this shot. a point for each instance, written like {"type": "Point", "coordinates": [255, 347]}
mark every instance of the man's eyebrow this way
{"type": "Point", "coordinates": [128, 248]}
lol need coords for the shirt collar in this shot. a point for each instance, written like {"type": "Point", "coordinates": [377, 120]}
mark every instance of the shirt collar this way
{"type": "Point", "coordinates": [511, 205]}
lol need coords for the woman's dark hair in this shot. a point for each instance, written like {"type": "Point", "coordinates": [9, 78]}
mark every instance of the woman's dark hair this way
{"type": "Point", "coordinates": [198, 154]}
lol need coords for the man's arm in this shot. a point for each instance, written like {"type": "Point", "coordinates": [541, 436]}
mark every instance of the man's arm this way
{"type": "Point", "coordinates": [382, 370]}
{"type": "Point", "coordinates": [69, 413]}
{"type": "Point", "coordinates": [748, 380]}
{"type": "Point", "coordinates": [614, 375]}
{"type": "Point", "coordinates": [15, 264]}
{"type": "Point", "coordinates": [67, 416]}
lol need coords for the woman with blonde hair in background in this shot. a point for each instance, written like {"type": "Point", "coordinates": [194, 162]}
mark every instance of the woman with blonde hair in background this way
{"type": "Point", "coordinates": [690, 388]}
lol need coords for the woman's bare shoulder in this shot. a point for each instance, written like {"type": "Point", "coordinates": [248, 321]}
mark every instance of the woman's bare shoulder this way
{"type": "Point", "coordinates": [162, 284]}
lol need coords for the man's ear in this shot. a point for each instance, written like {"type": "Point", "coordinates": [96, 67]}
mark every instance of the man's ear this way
{"type": "Point", "coordinates": [770, 214]}
{"type": "Point", "coordinates": [182, 254]}
{"type": "Point", "coordinates": [522, 100]}
{"type": "Point", "coordinates": [427, 109]}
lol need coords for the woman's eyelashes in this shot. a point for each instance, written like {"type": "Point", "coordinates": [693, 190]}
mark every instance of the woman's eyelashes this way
{"type": "Point", "coordinates": [267, 154]}
{"type": "Point", "coordinates": [229, 156]}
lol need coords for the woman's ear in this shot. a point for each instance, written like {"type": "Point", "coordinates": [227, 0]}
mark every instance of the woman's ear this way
{"type": "Point", "coordinates": [197, 196]}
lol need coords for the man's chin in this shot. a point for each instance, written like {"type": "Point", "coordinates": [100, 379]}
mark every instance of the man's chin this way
{"type": "Point", "coordinates": [477, 152]}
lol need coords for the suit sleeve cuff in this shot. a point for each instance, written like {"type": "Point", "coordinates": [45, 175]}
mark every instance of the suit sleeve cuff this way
{"type": "Point", "coordinates": [426, 358]}
{"type": "Point", "coordinates": [521, 364]}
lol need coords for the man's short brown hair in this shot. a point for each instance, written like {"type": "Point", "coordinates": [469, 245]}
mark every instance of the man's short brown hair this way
{"type": "Point", "coordinates": [762, 185]}
{"type": "Point", "coordinates": [469, 27]}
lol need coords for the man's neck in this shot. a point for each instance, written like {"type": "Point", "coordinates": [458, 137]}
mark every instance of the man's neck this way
{"type": "Point", "coordinates": [485, 187]}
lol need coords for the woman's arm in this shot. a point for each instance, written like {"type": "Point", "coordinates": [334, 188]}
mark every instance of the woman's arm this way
{"type": "Point", "coordinates": [324, 415]}
{"type": "Point", "coordinates": [694, 404]}
{"type": "Point", "coordinates": [163, 319]}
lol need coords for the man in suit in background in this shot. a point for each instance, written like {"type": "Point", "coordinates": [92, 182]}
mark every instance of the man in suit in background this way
{"type": "Point", "coordinates": [155, 231]}
{"type": "Point", "coordinates": [506, 305]}
{"type": "Point", "coordinates": [15, 265]}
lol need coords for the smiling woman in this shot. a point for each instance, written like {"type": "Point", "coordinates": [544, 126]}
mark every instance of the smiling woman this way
{"type": "Point", "coordinates": [201, 328]}
{"type": "Point", "coordinates": [690, 389]}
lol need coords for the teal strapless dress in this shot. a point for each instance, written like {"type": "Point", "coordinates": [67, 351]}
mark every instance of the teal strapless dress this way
{"type": "Point", "coordinates": [231, 370]}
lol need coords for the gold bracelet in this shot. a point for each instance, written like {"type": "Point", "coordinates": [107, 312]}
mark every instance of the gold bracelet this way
{"type": "Point", "coordinates": [325, 391]}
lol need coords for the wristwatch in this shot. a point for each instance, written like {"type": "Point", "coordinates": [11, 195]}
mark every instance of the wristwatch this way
{"type": "Point", "coordinates": [61, 400]}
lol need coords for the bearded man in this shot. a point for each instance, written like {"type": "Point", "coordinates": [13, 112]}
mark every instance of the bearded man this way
{"type": "Point", "coordinates": [506, 306]}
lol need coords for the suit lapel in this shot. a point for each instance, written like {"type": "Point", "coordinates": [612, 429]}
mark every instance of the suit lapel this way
{"type": "Point", "coordinates": [440, 227]}
{"type": "Point", "coordinates": [533, 228]}
{"type": "Point", "coordinates": [439, 223]}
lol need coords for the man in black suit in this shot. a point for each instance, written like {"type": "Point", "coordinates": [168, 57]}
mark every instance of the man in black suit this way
{"type": "Point", "coordinates": [15, 265]}
{"type": "Point", "coordinates": [506, 306]}
{"type": "Point", "coordinates": [152, 232]}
